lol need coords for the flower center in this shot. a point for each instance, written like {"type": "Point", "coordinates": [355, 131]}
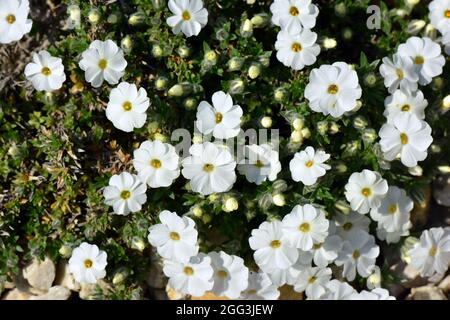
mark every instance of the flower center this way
{"type": "Point", "coordinates": [406, 107]}
{"type": "Point", "coordinates": [188, 271]}
{"type": "Point", "coordinates": [347, 226]}
{"type": "Point", "coordinates": [275, 244]}
{"type": "Point", "coordinates": [317, 246]}
{"type": "Point", "coordinates": [312, 279]}
{"type": "Point", "coordinates": [155, 163]}
{"type": "Point", "coordinates": [403, 138]}
{"type": "Point", "coordinates": [433, 251]}
{"type": "Point", "coordinates": [222, 274]}
{"type": "Point", "coordinates": [419, 60]}
{"type": "Point", "coordinates": [46, 71]}
{"type": "Point", "coordinates": [366, 192]}
{"type": "Point", "coordinates": [88, 263]}
{"type": "Point", "coordinates": [392, 208]}
{"type": "Point", "coordinates": [400, 74]}
{"type": "Point", "coordinates": [447, 14]}
{"type": "Point", "coordinates": [296, 47]}
{"type": "Point", "coordinates": [102, 64]}
{"type": "Point", "coordinates": [356, 254]}
{"type": "Point", "coordinates": [127, 106]}
{"type": "Point", "coordinates": [186, 15]}
{"type": "Point", "coordinates": [259, 164]}
{"type": "Point", "coordinates": [304, 227]}
{"type": "Point", "coordinates": [309, 163]}
{"type": "Point", "coordinates": [333, 89]}
{"type": "Point", "coordinates": [10, 18]}
{"type": "Point", "coordinates": [208, 167]}
{"type": "Point", "coordinates": [125, 194]}
{"type": "Point", "coordinates": [174, 236]}
{"type": "Point", "coordinates": [294, 11]}
{"type": "Point", "coordinates": [219, 117]}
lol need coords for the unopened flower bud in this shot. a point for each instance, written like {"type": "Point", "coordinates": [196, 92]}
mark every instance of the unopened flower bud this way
{"type": "Point", "coordinates": [266, 122]}
{"type": "Point", "coordinates": [231, 204]}
{"type": "Point", "coordinates": [236, 86]}
{"type": "Point", "coordinates": [329, 43]}
{"type": "Point", "coordinates": [415, 26]}
{"type": "Point", "coordinates": [278, 200]}
{"type": "Point", "coordinates": [161, 83]}
{"type": "Point", "coordinates": [296, 136]}
{"type": "Point", "coordinates": [65, 251]}
{"type": "Point", "coordinates": [306, 133]}
{"type": "Point", "coordinates": [113, 18]}
{"type": "Point", "coordinates": [280, 94]}
{"type": "Point", "coordinates": [347, 34]}
{"type": "Point", "coordinates": [207, 218]}
{"type": "Point", "coordinates": [190, 103]}
{"type": "Point", "coordinates": [138, 244]}
{"type": "Point", "coordinates": [136, 18]}
{"type": "Point", "coordinates": [246, 28]}
{"type": "Point", "coordinates": [298, 124]}
{"type": "Point", "coordinates": [369, 135]}
{"type": "Point", "coordinates": [322, 127]}
{"type": "Point", "coordinates": [157, 51]}
{"type": "Point", "coordinates": [340, 9]}
{"type": "Point", "coordinates": [333, 127]}
{"type": "Point", "coordinates": [416, 171]}
{"type": "Point", "coordinates": [342, 206]}
{"type": "Point", "coordinates": [370, 79]}
{"type": "Point", "coordinates": [254, 71]}
{"type": "Point", "coordinates": [126, 44]}
{"type": "Point", "coordinates": [119, 276]}
{"type": "Point", "coordinates": [211, 56]}
{"type": "Point", "coordinates": [197, 211]}
{"type": "Point", "coordinates": [360, 122]}
{"type": "Point", "coordinates": [260, 20]}
{"type": "Point", "coordinates": [235, 64]}
{"type": "Point", "coordinates": [94, 16]}
{"type": "Point", "coordinates": [184, 51]}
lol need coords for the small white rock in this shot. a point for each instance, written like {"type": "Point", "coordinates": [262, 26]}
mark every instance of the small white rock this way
{"type": "Point", "coordinates": [54, 293]}
{"type": "Point", "coordinates": [40, 274]}
{"type": "Point", "coordinates": [427, 293]}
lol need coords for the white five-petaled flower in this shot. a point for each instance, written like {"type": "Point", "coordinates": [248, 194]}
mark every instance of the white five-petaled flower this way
{"type": "Point", "coordinates": [394, 210]}
{"type": "Point", "coordinates": [157, 163]}
{"type": "Point", "coordinates": [103, 60]}
{"type": "Point", "coordinates": [305, 226]}
{"type": "Point", "coordinates": [404, 101]}
{"type": "Point", "coordinates": [261, 163]}
{"type": "Point", "coordinates": [189, 16]}
{"type": "Point", "coordinates": [297, 50]}
{"type": "Point", "coordinates": [260, 288]}
{"type": "Point", "coordinates": [194, 277]}
{"type": "Point", "coordinates": [365, 190]}
{"type": "Point", "coordinates": [399, 73]}
{"type": "Point", "coordinates": [394, 236]}
{"type": "Point", "coordinates": [127, 106]}
{"type": "Point", "coordinates": [222, 119]}
{"type": "Point", "coordinates": [440, 15]}
{"type": "Point", "coordinates": [230, 274]}
{"type": "Point", "coordinates": [288, 276]}
{"type": "Point", "coordinates": [175, 238]}
{"type": "Point", "coordinates": [308, 165]}
{"type": "Point", "coordinates": [271, 249]}
{"type": "Point", "coordinates": [358, 254]}
{"type": "Point", "coordinates": [407, 136]}
{"type": "Point", "coordinates": [333, 89]}
{"type": "Point", "coordinates": [126, 193]}
{"type": "Point", "coordinates": [432, 253]}
{"type": "Point", "coordinates": [294, 15]}
{"type": "Point", "coordinates": [87, 263]}
{"type": "Point", "coordinates": [347, 224]}
{"type": "Point", "coordinates": [327, 251]}
{"type": "Point", "coordinates": [14, 22]}
{"type": "Point", "coordinates": [337, 290]}
{"type": "Point", "coordinates": [210, 168]}
{"type": "Point", "coordinates": [45, 72]}
{"type": "Point", "coordinates": [426, 56]}
{"type": "Point", "coordinates": [313, 282]}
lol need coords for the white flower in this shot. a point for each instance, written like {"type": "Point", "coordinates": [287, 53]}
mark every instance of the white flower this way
{"type": "Point", "coordinates": [288, 276]}
{"type": "Point", "coordinates": [157, 163]}
{"type": "Point", "coordinates": [394, 236]}
{"type": "Point", "coordinates": [440, 15]}
{"type": "Point", "coordinates": [375, 294]}
{"type": "Point", "coordinates": [127, 107]}
{"type": "Point", "coordinates": [308, 165]}
{"type": "Point", "coordinates": [87, 263]}
{"type": "Point", "coordinates": [337, 290]}
{"type": "Point", "coordinates": [14, 22]}
{"type": "Point", "coordinates": [46, 73]}
{"type": "Point", "coordinates": [189, 16]}
{"type": "Point", "coordinates": [426, 56]}
{"type": "Point", "coordinates": [297, 50]}
{"type": "Point", "coordinates": [305, 226]}
{"type": "Point", "coordinates": [327, 252]}
{"type": "Point", "coordinates": [223, 119]}
{"type": "Point", "coordinates": [103, 60]}
{"type": "Point", "coordinates": [260, 163]}
{"type": "Point", "coordinates": [260, 288]}
{"type": "Point", "coordinates": [407, 136]}
{"type": "Point", "coordinates": [126, 193]}
{"type": "Point", "coordinates": [210, 168]}
{"type": "Point", "coordinates": [399, 73]}
{"type": "Point", "coordinates": [230, 274]}
{"type": "Point", "coordinates": [271, 250]}
{"type": "Point", "coordinates": [404, 101]}
{"type": "Point", "coordinates": [333, 89]}
{"type": "Point", "coordinates": [365, 190]}
{"type": "Point", "coordinates": [175, 238]}
{"type": "Point", "coordinates": [394, 210]}
{"type": "Point", "coordinates": [432, 254]}
{"type": "Point", "coordinates": [294, 15]}
{"type": "Point", "coordinates": [194, 277]}
{"type": "Point", "coordinates": [313, 281]}
{"type": "Point", "coordinates": [358, 254]}
{"type": "Point", "coordinates": [347, 224]}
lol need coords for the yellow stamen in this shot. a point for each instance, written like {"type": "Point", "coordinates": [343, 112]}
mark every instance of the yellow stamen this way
{"type": "Point", "coordinates": [447, 14]}
{"type": "Point", "coordinates": [366, 192]}
{"type": "Point", "coordinates": [433, 251]}
{"type": "Point", "coordinates": [347, 226]}
{"type": "Point", "coordinates": [309, 163]}
{"type": "Point", "coordinates": [296, 47]}
{"type": "Point", "coordinates": [46, 71]}
{"type": "Point", "coordinates": [392, 208]}
{"type": "Point", "coordinates": [186, 15]}
{"type": "Point", "coordinates": [406, 107]}
{"type": "Point", "coordinates": [333, 89]}
{"type": "Point", "coordinates": [304, 227]}
{"type": "Point", "coordinates": [88, 263]}
{"type": "Point", "coordinates": [222, 274]}
{"type": "Point", "coordinates": [11, 18]}
{"type": "Point", "coordinates": [356, 254]}
{"type": "Point", "coordinates": [317, 246]}
{"type": "Point", "coordinates": [155, 163]}
{"type": "Point", "coordinates": [219, 117]}
{"type": "Point", "coordinates": [259, 164]}
{"type": "Point", "coordinates": [294, 11]}
{"type": "Point", "coordinates": [312, 279]}
{"type": "Point", "coordinates": [127, 106]}
{"type": "Point", "coordinates": [208, 167]}
{"type": "Point", "coordinates": [275, 244]}
{"type": "Point", "coordinates": [419, 60]}
{"type": "Point", "coordinates": [403, 138]}
{"type": "Point", "coordinates": [400, 74]}
{"type": "Point", "coordinates": [102, 64]}
{"type": "Point", "coordinates": [125, 194]}
{"type": "Point", "coordinates": [188, 271]}
{"type": "Point", "coordinates": [174, 236]}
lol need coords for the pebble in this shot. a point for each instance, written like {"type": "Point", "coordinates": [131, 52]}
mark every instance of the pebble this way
{"type": "Point", "coordinates": [40, 274]}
